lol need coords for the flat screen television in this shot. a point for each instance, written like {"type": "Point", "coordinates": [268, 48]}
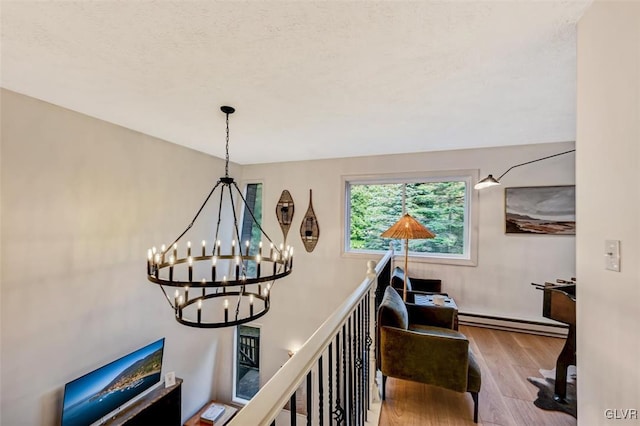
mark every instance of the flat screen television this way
{"type": "Point", "coordinates": [100, 394]}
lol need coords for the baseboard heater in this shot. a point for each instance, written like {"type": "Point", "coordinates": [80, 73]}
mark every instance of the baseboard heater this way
{"type": "Point", "coordinates": [513, 324]}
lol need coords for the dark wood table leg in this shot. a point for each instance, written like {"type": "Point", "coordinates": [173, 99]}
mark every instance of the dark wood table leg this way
{"type": "Point", "coordinates": [566, 358]}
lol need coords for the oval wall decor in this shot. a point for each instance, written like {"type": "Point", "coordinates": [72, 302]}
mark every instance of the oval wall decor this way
{"type": "Point", "coordinates": [284, 212]}
{"type": "Point", "coordinates": [309, 229]}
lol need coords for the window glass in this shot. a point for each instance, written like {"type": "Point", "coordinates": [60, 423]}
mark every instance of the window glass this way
{"type": "Point", "coordinates": [441, 204]}
{"type": "Point", "coordinates": [247, 362]}
{"type": "Point", "coordinates": [250, 231]}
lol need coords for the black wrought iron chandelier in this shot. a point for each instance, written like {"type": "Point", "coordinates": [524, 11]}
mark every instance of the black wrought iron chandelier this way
{"type": "Point", "coordinates": [220, 285]}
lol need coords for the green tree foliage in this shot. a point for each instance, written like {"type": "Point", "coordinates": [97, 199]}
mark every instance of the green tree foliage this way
{"type": "Point", "coordinates": [440, 206]}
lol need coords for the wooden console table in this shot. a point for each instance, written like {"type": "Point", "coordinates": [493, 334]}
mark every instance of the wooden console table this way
{"type": "Point", "coordinates": [160, 407]}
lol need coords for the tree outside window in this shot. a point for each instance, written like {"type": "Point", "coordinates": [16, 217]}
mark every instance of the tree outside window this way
{"type": "Point", "coordinates": [440, 205]}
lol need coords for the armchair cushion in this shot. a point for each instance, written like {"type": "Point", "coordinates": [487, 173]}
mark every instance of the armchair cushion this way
{"type": "Point", "coordinates": [392, 311]}
{"type": "Point", "coordinates": [397, 282]}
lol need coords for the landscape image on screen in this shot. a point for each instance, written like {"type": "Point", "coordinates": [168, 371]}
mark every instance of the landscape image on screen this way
{"type": "Point", "coordinates": [92, 396]}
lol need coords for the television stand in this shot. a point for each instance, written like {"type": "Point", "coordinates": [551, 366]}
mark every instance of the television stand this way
{"type": "Point", "coordinates": [160, 407]}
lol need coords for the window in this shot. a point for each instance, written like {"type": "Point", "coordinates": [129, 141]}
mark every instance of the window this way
{"type": "Point", "coordinates": [250, 231]}
{"type": "Point", "coordinates": [439, 201]}
{"type": "Point", "coordinates": [246, 363]}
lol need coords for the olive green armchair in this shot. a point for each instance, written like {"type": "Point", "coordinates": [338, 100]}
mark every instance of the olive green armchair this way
{"type": "Point", "coordinates": [417, 343]}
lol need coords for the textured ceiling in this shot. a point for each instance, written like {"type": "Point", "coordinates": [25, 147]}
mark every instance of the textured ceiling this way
{"type": "Point", "coordinates": [310, 79]}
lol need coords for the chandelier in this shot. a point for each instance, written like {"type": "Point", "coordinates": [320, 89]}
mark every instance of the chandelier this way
{"type": "Point", "coordinates": [220, 284]}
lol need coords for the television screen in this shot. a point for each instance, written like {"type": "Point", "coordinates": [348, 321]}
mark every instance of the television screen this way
{"type": "Point", "coordinates": [94, 395]}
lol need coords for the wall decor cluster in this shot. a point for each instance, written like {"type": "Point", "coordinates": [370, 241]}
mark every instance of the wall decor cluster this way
{"type": "Point", "coordinates": [540, 210]}
{"type": "Point", "coordinates": [284, 212]}
{"type": "Point", "coordinates": [309, 229]}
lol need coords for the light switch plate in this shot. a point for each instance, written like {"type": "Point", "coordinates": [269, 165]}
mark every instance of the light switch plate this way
{"type": "Point", "coordinates": [612, 255]}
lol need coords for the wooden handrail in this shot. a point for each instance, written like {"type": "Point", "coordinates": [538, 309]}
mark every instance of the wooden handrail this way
{"type": "Point", "coordinates": [265, 406]}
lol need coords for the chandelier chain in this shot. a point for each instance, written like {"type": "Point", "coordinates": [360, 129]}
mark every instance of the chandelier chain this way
{"type": "Point", "coordinates": [226, 163]}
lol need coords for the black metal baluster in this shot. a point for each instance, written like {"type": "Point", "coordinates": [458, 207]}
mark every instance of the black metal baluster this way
{"type": "Point", "coordinates": [363, 344]}
{"type": "Point", "coordinates": [359, 365]}
{"type": "Point", "coordinates": [364, 361]}
{"type": "Point", "coordinates": [368, 341]}
{"type": "Point", "coordinates": [309, 406]}
{"type": "Point", "coordinates": [356, 369]}
{"type": "Point", "coordinates": [339, 411]}
{"type": "Point", "coordinates": [354, 366]}
{"type": "Point", "coordinates": [344, 372]}
{"type": "Point", "coordinates": [330, 365]}
{"type": "Point", "coordinates": [350, 338]}
{"type": "Point", "coordinates": [320, 393]}
{"type": "Point", "coordinates": [292, 407]}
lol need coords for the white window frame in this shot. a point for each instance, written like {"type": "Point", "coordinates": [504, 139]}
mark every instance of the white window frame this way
{"type": "Point", "coordinates": [235, 398]}
{"type": "Point", "coordinates": [470, 254]}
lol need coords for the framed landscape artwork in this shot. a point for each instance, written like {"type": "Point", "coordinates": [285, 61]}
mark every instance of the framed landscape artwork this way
{"type": "Point", "coordinates": [540, 210]}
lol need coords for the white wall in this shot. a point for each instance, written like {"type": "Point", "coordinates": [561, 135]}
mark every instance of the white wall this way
{"type": "Point", "coordinates": [608, 178]}
{"type": "Point", "coordinates": [507, 264]}
{"type": "Point", "coordinates": [82, 200]}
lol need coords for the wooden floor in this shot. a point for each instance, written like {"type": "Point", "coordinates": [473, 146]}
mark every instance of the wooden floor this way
{"type": "Point", "coordinates": [506, 359]}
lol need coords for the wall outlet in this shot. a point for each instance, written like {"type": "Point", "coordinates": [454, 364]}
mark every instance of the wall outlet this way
{"type": "Point", "coordinates": [612, 255]}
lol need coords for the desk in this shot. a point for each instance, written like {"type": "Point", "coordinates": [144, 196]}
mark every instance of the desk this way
{"type": "Point", "coordinates": [229, 412]}
{"type": "Point", "coordinates": [427, 300]}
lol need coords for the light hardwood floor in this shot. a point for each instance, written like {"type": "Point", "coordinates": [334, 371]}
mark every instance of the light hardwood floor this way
{"type": "Point", "coordinates": [506, 398]}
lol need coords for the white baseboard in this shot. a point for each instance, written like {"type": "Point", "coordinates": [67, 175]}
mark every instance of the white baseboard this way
{"type": "Point", "coordinates": [510, 324]}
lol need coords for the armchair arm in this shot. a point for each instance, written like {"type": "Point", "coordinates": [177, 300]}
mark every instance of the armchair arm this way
{"type": "Point", "coordinates": [437, 316]}
{"type": "Point", "coordinates": [438, 356]}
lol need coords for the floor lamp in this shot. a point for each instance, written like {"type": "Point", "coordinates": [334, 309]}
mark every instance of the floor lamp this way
{"type": "Point", "coordinates": [407, 228]}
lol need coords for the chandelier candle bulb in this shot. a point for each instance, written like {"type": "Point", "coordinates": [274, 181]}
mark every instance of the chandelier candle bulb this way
{"type": "Point", "coordinates": [258, 259]}
{"type": "Point", "coordinates": [186, 294]}
{"type": "Point", "coordinates": [175, 250]}
{"type": "Point", "coordinates": [251, 304]}
{"type": "Point", "coordinates": [224, 283]}
{"type": "Point", "coordinates": [157, 259]}
{"type": "Point", "coordinates": [246, 244]}
{"type": "Point", "coordinates": [204, 248]}
{"type": "Point", "coordinates": [162, 250]}
{"type": "Point", "coordinates": [199, 311]}
{"type": "Point", "coordinates": [149, 257]}
{"type": "Point", "coordinates": [175, 300]}
{"type": "Point", "coordinates": [218, 246]}
{"type": "Point", "coordinates": [260, 247]}
{"type": "Point", "coordinates": [213, 268]}
{"type": "Point", "coordinates": [172, 260]}
{"type": "Point", "coordinates": [226, 310]}
{"type": "Point", "coordinates": [237, 268]}
{"type": "Point", "coordinates": [188, 248]}
{"type": "Point", "coordinates": [204, 282]}
{"type": "Point", "coordinates": [271, 251]}
{"type": "Point", "coordinates": [233, 247]}
{"type": "Point", "coordinates": [190, 260]}
{"type": "Point", "coordinates": [180, 307]}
